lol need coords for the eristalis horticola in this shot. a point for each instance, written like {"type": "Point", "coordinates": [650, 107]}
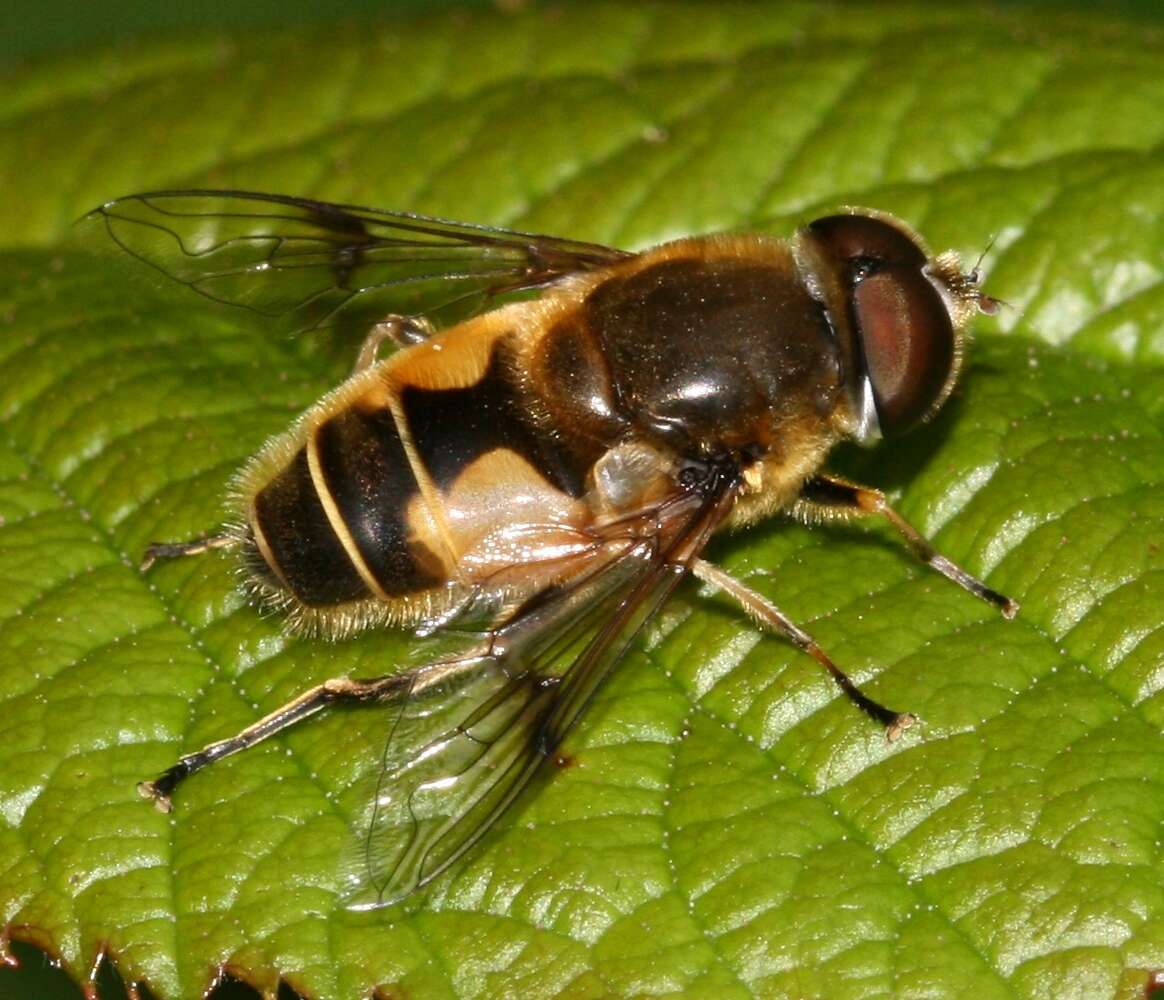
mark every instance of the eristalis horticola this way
{"type": "Point", "coordinates": [550, 468]}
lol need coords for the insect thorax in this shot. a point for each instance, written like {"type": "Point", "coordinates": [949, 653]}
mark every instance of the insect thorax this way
{"type": "Point", "coordinates": [706, 346]}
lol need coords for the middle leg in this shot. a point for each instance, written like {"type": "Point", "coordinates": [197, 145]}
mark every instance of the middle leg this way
{"type": "Point", "coordinates": [404, 331]}
{"type": "Point", "coordinates": [767, 615]}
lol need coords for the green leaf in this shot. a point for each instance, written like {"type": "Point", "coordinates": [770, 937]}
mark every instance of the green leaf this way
{"type": "Point", "coordinates": [730, 826]}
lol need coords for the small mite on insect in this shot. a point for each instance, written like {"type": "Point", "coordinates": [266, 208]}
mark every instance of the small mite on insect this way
{"type": "Point", "coordinates": [549, 468]}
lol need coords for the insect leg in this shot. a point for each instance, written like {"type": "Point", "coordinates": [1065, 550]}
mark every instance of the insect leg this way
{"type": "Point", "coordinates": [831, 495]}
{"type": "Point", "coordinates": [172, 550]}
{"type": "Point", "coordinates": [767, 615]}
{"type": "Point", "coordinates": [404, 330]}
{"type": "Point", "coordinates": [339, 689]}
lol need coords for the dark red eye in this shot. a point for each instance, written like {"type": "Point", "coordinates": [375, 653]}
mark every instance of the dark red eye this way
{"type": "Point", "coordinates": [905, 336]}
{"type": "Point", "coordinates": [908, 341]}
{"type": "Point", "coordinates": [865, 237]}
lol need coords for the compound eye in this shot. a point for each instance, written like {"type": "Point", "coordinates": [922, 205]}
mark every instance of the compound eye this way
{"type": "Point", "coordinates": [907, 339]}
{"type": "Point", "coordinates": [866, 239]}
{"type": "Point", "coordinates": [904, 331]}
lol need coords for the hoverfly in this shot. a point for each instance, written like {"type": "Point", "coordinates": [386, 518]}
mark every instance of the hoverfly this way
{"type": "Point", "coordinates": [550, 467]}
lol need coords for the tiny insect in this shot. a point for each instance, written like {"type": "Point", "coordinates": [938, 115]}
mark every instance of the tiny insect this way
{"type": "Point", "coordinates": [548, 468]}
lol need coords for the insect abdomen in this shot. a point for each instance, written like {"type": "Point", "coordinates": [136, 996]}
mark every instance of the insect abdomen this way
{"type": "Point", "coordinates": [364, 468]}
{"type": "Point", "coordinates": [331, 525]}
{"type": "Point", "coordinates": [396, 489]}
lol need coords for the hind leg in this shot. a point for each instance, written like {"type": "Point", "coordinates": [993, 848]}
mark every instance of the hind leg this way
{"type": "Point", "coordinates": [194, 547]}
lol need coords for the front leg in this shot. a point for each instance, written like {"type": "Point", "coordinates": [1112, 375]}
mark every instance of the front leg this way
{"type": "Point", "coordinates": [830, 495]}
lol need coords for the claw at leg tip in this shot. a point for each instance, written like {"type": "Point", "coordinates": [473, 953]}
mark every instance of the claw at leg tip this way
{"type": "Point", "coordinates": [149, 790]}
{"type": "Point", "coordinates": [899, 725]}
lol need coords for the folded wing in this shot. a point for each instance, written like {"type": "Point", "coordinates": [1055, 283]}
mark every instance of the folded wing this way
{"type": "Point", "coordinates": [472, 732]}
{"type": "Point", "coordinates": [311, 264]}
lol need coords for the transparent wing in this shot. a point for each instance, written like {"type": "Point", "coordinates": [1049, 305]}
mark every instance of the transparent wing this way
{"type": "Point", "coordinates": [473, 731]}
{"type": "Point", "coordinates": [311, 263]}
